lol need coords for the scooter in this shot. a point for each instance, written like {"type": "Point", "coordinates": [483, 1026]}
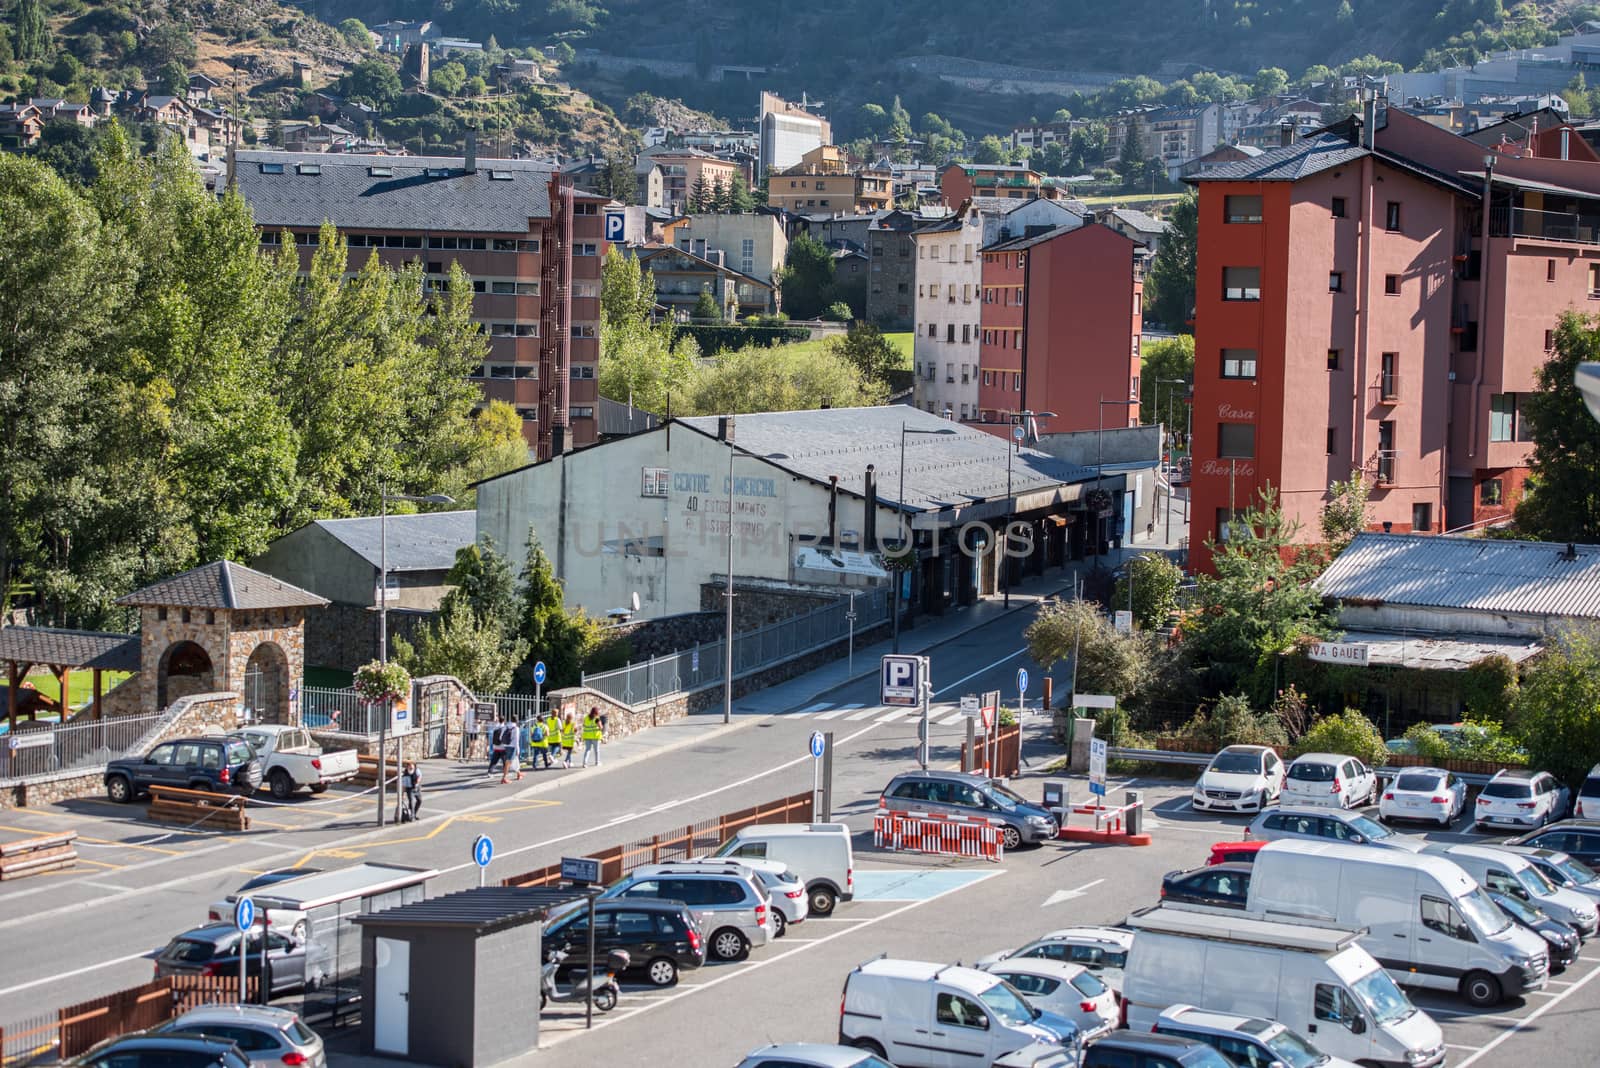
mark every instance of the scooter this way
{"type": "Point", "coordinates": [606, 990]}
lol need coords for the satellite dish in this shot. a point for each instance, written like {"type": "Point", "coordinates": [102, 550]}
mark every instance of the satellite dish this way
{"type": "Point", "coordinates": [635, 601]}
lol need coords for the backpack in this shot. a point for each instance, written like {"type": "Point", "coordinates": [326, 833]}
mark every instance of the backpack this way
{"type": "Point", "coordinates": [538, 732]}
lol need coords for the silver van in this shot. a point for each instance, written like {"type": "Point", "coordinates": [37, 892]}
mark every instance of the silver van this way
{"type": "Point", "coordinates": [731, 906]}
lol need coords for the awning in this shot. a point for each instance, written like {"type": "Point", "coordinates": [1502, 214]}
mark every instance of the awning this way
{"type": "Point", "coordinates": [1430, 652]}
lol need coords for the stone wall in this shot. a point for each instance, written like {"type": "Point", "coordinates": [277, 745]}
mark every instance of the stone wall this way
{"type": "Point", "coordinates": [650, 638]}
{"type": "Point", "coordinates": [621, 720]}
{"type": "Point", "coordinates": [757, 604]}
{"type": "Point", "coordinates": [39, 790]}
{"type": "Point", "coordinates": [345, 636]}
{"type": "Point", "coordinates": [205, 713]}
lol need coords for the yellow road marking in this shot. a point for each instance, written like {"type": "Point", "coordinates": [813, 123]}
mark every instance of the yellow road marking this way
{"type": "Point", "coordinates": [471, 817]}
{"type": "Point", "coordinates": [101, 864]}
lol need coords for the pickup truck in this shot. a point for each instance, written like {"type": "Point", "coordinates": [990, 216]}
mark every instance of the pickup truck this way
{"type": "Point", "coordinates": [290, 759]}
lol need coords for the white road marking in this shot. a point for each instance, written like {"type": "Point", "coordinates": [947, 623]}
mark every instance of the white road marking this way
{"type": "Point", "coordinates": [841, 710]}
{"type": "Point", "coordinates": [68, 975]}
{"type": "Point", "coordinates": [1067, 895]}
{"type": "Point", "coordinates": [894, 714]}
{"type": "Point", "coordinates": [949, 721]}
{"type": "Point", "coordinates": [1526, 1020]}
{"type": "Point", "coordinates": [1468, 1049]}
{"type": "Point", "coordinates": [818, 707]}
{"type": "Point", "coordinates": [980, 671]}
{"type": "Point", "coordinates": [865, 713]}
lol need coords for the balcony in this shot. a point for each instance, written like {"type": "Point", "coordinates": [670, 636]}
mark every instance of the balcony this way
{"type": "Point", "coordinates": [1579, 228]}
{"type": "Point", "coordinates": [1385, 389]}
{"type": "Point", "coordinates": [1385, 465]}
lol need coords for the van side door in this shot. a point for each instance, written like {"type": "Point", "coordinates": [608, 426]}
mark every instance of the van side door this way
{"type": "Point", "coordinates": [1445, 945]}
{"type": "Point", "coordinates": [1333, 1007]}
{"type": "Point", "coordinates": [961, 1034]}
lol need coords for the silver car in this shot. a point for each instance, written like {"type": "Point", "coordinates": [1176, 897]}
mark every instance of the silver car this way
{"type": "Point", "coordinates": [1320, 824]}
{"type": "Point", "coordinates": [268, 1036]}
{"type": "Point", "coordinates": [812, 1055]}
{"type": "Point", "coordinates": [732, 907]}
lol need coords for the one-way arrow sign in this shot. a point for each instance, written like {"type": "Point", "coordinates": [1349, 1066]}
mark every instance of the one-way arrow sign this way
{"type": "Point", "coordinates": [1067, 895]}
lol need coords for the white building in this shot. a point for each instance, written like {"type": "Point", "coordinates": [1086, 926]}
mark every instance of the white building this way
{"type": "Point", "coordinates": [788, 131]}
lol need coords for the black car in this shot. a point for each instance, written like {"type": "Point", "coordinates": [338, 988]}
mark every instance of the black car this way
{"type": "Point", "coordinates": [1574, 837]}
{"type": "Point", "coordinates": [660, 937]}
{"type": "Point", "coordinates": [165, 1051]}
{"type": "Point", "coordinates": [1563, 941]}
{"type": "Point", "coordinates": [1222, 885]}
{"type": "Point", "coordinates": [192, 763]}
{"type": "Point", "coordinates": [1121, 1049]}
{"type": "Point", "coordinates": [214, 950]}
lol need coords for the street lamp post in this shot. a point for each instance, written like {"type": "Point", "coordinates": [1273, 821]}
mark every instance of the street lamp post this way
{"type": "Point", "coordinates": [1100, 465]}
{"type": "Point", "coordinates": [900, 504]}
{"type": "Point", "coordinates": [1018, 433]}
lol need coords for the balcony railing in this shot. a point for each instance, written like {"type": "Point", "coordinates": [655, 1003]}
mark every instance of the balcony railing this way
{"type": "Point", "coordinates": [1581, 228]}
{"type": "Point", "coordinates": [1386, 388]}
{"type": "Point", "coordinates": [1385, 466]}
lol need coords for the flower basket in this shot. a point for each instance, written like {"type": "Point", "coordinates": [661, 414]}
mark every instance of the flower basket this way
{"type": "Point", "coordinates": [376, 682]}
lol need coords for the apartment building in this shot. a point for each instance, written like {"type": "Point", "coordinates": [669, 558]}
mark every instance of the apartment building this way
{"type": "Point", "coordinates": [892, 266]}
{"type": "Point", "coordinates": [826, 181]}
{"type": "Point", "coordinates": [683, 170]}
{"type": "Point", "coordinates": [532, 245]}
{"type": "Point", "coordinates": [1179, 134]}
{"type": "Point", "coordinates": [753, 245]}
{"type": "Point", "coordinates": [1353, 315]}
{"type": "Point", "coordinates": [1010, 181]}
{"type": "Point", "coordinates": [787, 132]}
{"type": "Point", "coordinates": [1034, 136]}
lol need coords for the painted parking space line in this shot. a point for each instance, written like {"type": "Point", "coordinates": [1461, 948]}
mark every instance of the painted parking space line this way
{"type": "Point", "coordinates": [914, 884]}
{"type": "Point", "coordinates": [1526, 1020]}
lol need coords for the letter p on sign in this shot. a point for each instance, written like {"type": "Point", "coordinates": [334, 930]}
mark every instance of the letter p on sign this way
{"type": "Point", "coordinates": [616, 224]}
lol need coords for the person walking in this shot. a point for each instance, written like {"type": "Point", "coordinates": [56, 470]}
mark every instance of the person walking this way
{"type": "Point", "coordinates": [497, 745]}
{"type": "Point", "coordinates": [552, 738]}
{"type": "Point", "coordinates": [569, 739]}
{"type": "Point", "coordinates": [410, 792]}
{"type": "Point", "coordinates": [592, 733]}
{"type": "Point", "coordinates": [513, 760]}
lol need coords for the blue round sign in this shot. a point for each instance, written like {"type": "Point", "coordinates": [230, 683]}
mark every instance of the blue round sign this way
{"type": "Point", "coordinates": [538, 673]}
{"type": "Point", "coordinates": [244, 913]}
{"type": "Point", "coordinates": [1022, 680]}
{"type": "Point", "coordinates": [819, 744]}
{"type": "Point", "coordinates": [483, 851]}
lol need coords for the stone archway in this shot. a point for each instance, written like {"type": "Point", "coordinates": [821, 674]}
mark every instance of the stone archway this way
{"type": "Point", "coordinates": [185, 668]}
{"type": "Point", "coordinates": [265, 684]}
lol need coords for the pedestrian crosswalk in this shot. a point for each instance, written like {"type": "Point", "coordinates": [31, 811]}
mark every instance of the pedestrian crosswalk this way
{"type": "Point", "coordinates": [942, 714]}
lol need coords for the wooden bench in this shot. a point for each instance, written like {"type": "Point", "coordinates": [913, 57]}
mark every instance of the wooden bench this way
{"type": "Point", "coordinates": [32, 856]}
{"type": "Point", "coordinates": [368, 773]}
{"type": "Point", "coordinates": [198, 808]}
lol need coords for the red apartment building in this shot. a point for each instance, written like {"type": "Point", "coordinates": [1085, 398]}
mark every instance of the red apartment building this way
{"type": "Point", "coordinates": [530, 242]}
{"type": "Point", "coordinates": [1351, 316]}
{"type": "Point", "coordinates": [1059, 329]}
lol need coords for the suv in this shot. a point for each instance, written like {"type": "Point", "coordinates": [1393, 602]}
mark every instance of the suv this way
{"type": "Point", "coordinates": [1125, 1049]}
{"type": "Point", "coordinates": [1329, 779]}
{"type": "Point", "coordinates": [1520, 799]}
{"type": "Point", "coordinates": [660, 937]}
{"type": "Point", "coordinates": [731, 905]}
{"type": "Point", "coordinates": [266, 1035]}
{"type": "Point", "coordinates": [1245, 1040]}
{"type": "Point", "coordinates": [194, 763]}
{"type": "Point", "coordinates": [164, 1051]}
{"type": "Point", "coordinates": [1330, 825]}
{"type": "Point", "coordinates": [1579, 839]}
{"type": "Point", "coordinates": [1241, 778]}
{"type": "Point", "coordinates": [214, 950]}
{"type": "Point", "coordinates": [1587, 803]}
{"type": "Point", "coordinates": [785, 889]}
{"type": "Point", "coordinates": [957, 793]}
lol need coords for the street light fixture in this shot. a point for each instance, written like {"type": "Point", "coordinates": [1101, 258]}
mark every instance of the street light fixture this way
{"type": "Point", "coordinates": [1018, 432]}
{"type": "Point", "coordinates": [900, 504]}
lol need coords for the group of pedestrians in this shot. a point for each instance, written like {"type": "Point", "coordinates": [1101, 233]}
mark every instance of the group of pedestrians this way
{"type": "Point", "coordinates": [512, 745]}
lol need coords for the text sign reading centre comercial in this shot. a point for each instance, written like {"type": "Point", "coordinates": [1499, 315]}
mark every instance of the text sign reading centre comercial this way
{"type": "Point", "coordinates": [902, 678]}
{"type": "Point", "coordinates": [1351, 653]}
{"type": "Point", "coordinates": [1097, 766]}
{"type": "Point", "coordinates": [244, 913]}
{"type": "Point", "coordinates": [580, 870]}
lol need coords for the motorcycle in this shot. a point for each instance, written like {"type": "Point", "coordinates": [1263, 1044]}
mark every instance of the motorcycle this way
{"type": "Point", "coordinates": [606, 990]}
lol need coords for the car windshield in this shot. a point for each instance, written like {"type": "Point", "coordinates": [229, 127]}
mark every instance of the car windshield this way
{"type": "Point", "coordinates": [1005, 797]}
{"type": "Point", "coordinates": [1379, 994]}
{"type": "Point", "coordinates": [1590, 788]}
{"type": "Point", "coordinates": [1295, 1051]}
{"type": "Point", "coordinates": [1576, 870]}
{"type": "Point", "coordinates": [1372, 830]}
{"type": "Point", "coordinates": [1535, 881]}
{"type": "Point", "coordinates": [1311, 772]}
{"type": "Point", "coordinates": [1483, 916]}
{"type": "Point", "coordinates": [1419, 784]}
{"type": "Point", "coordinates": [1007, 1004]}
{"type": "Point", "coordinates": [1507, 789]}
{"type": "Point", "coordinates": [1237, 764]}
{"type": "Point", "coordinates": [189, 950]}
{"type": "Point", "coordinates": [1519, 910]}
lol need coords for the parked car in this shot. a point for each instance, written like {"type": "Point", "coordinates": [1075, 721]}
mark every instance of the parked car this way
{"type": "Point", "coordinates": [1241, 778]}
{"type": "Point", "coordinates": [820, 853]}
{"type": "Point", "coordinates": [957, 793]}
{"type": "Point", "coordinates": [291, 760]}
{"type": "Point", "coordinates": [1221, 885]}
{"type": "Point", "coordinates": [1579, 839]}
{"type": "Point", "coordinates": [223, 910]}
{"type": "Point", "coordinates": [1562, 941]}
{"type": "Point", "coordinates": [812, 1055]}
{"type": "Point", "coordinates": [191, 763]}
{"type": "Point", "coordinates": [1587, 804]}
{"type": "Point", "coordinates": [1520, 799]}
{"type": "Point", "coordinates": [266, 1035]}
{"type": "Point", "coordinates": [1070, 991]}
{"type": "Point", "coordinates": [1122, 1048]}
{"type": "Point", "coordinates": [1239, 852]}
{"type": "Point", "coordinates": [1102, 950]}
{"type": "Point", "coordinates": [1564, 871]}
{"type": "Point", "coordinates": [214, 950]}
{"type": "Point", "coordinates": [784, 887]}
{"type": "Point", "coordinates": [313, 905]}
{"type": "Point", "coordinates": [1505, 872]}
{"type": "Point", "coordinates": [1248, 1041]}
{"type": "Point", "coordinates": [1330, 825]}
{"type": "Point", "coordinates": [732, 908]}
{"type": "Point", "coordinates": [661, 938]}
{"type": "Point", "coordinates": [164, 1051]}
{"type": "Point", "coordinates": [1329, 779]}
{"type": "Point", "coordinates": [1430, 794]}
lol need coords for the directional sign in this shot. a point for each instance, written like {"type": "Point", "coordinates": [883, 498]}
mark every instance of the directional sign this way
{"type": "Point", "coordinates": [244, 913]}
{"type": "Point", "coordinates": [1094, 700]}
{"type": "Point", "coordinates": [1097, 766]}
{"type": "Point", "coordinates": [482, 850]}
{"type": "Point", "coordinates": [580, 870]}
{"type": "Point", "coordinates": [819, 745]}
{"type": "Point", "coordinates": [1022, 680]}
{"type": "Point", "coordinates": [694, 660]}
{"type": "Point", "coordinates": [902, 679]}
{"type": "Point", "coordinates": [616, 225]}
{"type": "Point", "coordinates": [539, 673]}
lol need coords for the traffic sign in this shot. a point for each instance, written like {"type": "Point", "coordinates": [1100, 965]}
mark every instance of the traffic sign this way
{"type": "Point", "coordinates": [902, 678]}
{"type": "Point", "coordinates": [1097, 766]}
{"type": "Point", "coordinates": [244, 913]}
{"type": "Point", "coordinates": [1017, 432]}
{"type": "Point", "coordinates": [819, 745]}
{"type": "Point", "coordinates": [539, 673]}
{"type": "Point", "coordinates": [1094, 700]}
{"type": "Point", "coordinates": [580, 869]}
{"type": "Point", "coordinates": [1022, 680]}
{"type": "Point", "coordinates": [694, 660]}
{"type": "Point", "coordinates": [616, 225]}
{"type": "Point", "coordinates": [969, 706]}
{"type": "Point", "coordinates": [482, 850]}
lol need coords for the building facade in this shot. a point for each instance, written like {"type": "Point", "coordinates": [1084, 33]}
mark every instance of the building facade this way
{"type": "Point", "coordinates": [753, 245]}
{"type": "Point", "coordinates": [892, 259]}
{"type": "Point", "coordinates": [1010, 181]}
{"type": "Point", "coordinates": [680, 277]}
{"type": "Point", "coordinates": [532, 246]}
{"type": "Point", "coordinates": [683, 171]}
{"type": "Point", "coordinates": [787, 132]}
{"type": "Point", "coordinates": [826, 181]}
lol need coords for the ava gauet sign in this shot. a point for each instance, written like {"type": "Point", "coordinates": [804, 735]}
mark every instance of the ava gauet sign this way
{"type": "Point", "coordinates": [1351, 653]}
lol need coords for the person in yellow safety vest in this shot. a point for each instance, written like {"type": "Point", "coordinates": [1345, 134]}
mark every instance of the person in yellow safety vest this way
{"type": "Point", "coordinates": [552, 739]}
{"type": "Point", "coordinates": [591, 736]}
{"type": "Point", "coordinates": [569, 739]}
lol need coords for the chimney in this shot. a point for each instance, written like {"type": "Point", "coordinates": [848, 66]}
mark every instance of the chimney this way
{"type": "Point", "coordinates": [471, 166]}
{"type": "Point", "coordinates": [1286, 133]}
{"type": "Point", "coordinates": [724, 428]}
{"type": "Point", "coordinates": [869, 522]}
{"type": "Point", "coordinates": [833, 511]}
{"type": "Point", "coordinates": [1369, 125]}
{"type": "Point", "coordinates": [1571, 554]}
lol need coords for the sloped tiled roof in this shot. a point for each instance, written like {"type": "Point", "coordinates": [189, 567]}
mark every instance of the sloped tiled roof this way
{"type": "Point", "coordinates": [1289, 163]}
{"type": "Point", "coordinates": [1140, 221]}
{"type": "Point", "coordinates": [56, 647]}
{"type": "Point", "coordinates": [223, 584]}
{"type": "Point", "coordinates": [425, 541]}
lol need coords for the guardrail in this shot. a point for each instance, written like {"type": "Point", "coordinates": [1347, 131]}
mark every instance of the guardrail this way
{"type": "Point", "coordinates": [66, 747]}
{"type": "Point", "coordinates": [1169, 756]}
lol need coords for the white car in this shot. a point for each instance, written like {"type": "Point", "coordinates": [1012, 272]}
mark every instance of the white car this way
{"type": "Point", "coordinates": [1430, 794]}
{"type": "Point", "coordinates": [1241, 778]}
{"type": "Point", "coordinates": [1520, 799]}
{"type": "Point", "coordinates": [1330, 780]}
{"type": "Point", "coordinates": [1587, 804]}
{"type": "Point", "coordinates": [1102, 950]}
{"type": "Point", "coordinates": [1245, 1040]}
{"type": "Point", "coordinates": [1068, 990]}
{"type": "Point", "coordinates": [788, 891]}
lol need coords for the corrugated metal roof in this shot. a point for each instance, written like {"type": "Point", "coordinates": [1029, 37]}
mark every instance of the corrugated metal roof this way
{"type": "Point", "coordinates": [489, 908]}
{"type": "Point", "coordinates": [1482, 574]}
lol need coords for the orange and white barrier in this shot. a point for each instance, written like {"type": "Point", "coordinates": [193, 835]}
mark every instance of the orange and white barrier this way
{"type": "Point", "coordinates": [930, 832]}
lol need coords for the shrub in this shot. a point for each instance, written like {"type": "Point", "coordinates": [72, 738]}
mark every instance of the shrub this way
{"type": "Point", "coordinates": [838, 312]}
{"type": "Point", "coordinates": [1231, 721]}
{"type": "Point", "coordinates": [1348, 732]}
{"type": "Point", "coordinates": [1113, 725]}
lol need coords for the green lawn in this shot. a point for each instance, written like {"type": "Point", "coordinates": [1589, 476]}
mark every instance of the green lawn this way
{"type": "Point", "coordinates": [80, 685]}
{"type": "Point", "coordinates": [1127, 199]}
{"type": "Point", "coordinates": [901, 341]}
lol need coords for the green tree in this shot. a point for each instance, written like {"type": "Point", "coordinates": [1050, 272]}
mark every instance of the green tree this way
{"type": "Point", "coordinates": [356, 34]}
{"type": "Point", "coordinates": [174, 77]}
{"type": "Point", "coordinates": [483, 584]}
{"type": "Point", "coordinates": [31, 31]}
{"type": "Point", "coordinates": [699, 196]}
{"type": "Point", "coordinates": [448, 78]}
{"type": "Point", "coordinates": [872, 119]}
{"type": "Point", "coordinates": [565, 641]}
{"type": "Point", "coordinates": [807, 280]}
{"type": "Point", "coordinates": [1269, 81]}
{"type": "Point", "coordinates": [373, 81]}
{"type": "Point", "coordinates": [706, 308]}
{"type": "Point", "coordinates": [784, 378]}
{"type": "Point", "coordinates": [1561, 499]}
{"type": "Point", "coordinates": [641, 362]}
{"type": "Point", "coordinates": [868, 351]}
{"type": "Point", "coordinates": [899, 122]}
{"type": "Point", "coordinates": [740, 201]}
{"type": "Point", "coordinates": [992, 150]}
{"type": "Point", "coordinates": [1348, 732]}
{"type": "Point", "coordinates": [1557, 710]}
{"type": "Point", "coordinates": [627, 291]}
{"type": "Point", "coordinates": [1107, 662]}
{"type": "Point", "coordinates": [497, 447]}
{"type": "Point", "coordinates": [166, 44]}
{"type": "Point", "coordinates": [1153, 597]}
{"type": "Point", "coordinates": [1345, 514]}
{"type": "Point", "coordinates": [1169, 361]}
{"type": "Point", "coordinates": [717, 201]}
{"type": "Point", "coordinates": [1169, 287]}
{"type": "Point", "coordinates": [617, 180]}
{"type": "Point", "coordinates": [466, 645]}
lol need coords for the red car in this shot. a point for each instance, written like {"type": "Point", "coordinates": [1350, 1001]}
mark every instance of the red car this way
{"type": "Point", "coordinates": [1243, 852]}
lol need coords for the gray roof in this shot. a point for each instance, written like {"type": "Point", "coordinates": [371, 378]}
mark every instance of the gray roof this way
{"type": "Point", "coordinates": [1140, 221]}
{"type": "Point", "coordinates": [941, 471]}
{"type": "Point", "coordinates": [70, 648]}
{"type": "Point", "coordinates": [223, 584]}
{"type": "Point", "coordinates": [1480, 574]}
{"type": "Point", "coordinates": [1289, 163]}
{"type": "Point", "coordinates": [484, 910]}
{"type": "Point", "coordinates": [407, 198]}
{"type": "Point", "coordinates": [426, 541]}
{"type": "Point", "coordinates": [1017, 244]}
{"type": "Point", "coordinates": [614, 418]}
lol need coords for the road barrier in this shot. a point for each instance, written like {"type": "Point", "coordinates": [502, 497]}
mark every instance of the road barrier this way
{"type": "Point", "coordinates": [929, 832]}
{"type": "Point", "coordinates": [1113, 824]}
{"type": "Point", "coordinates": [33, 856]}
{"type": "Point", "coordinates": [198, 808]}
{"type": "Point", "coordinates": [367, 769]}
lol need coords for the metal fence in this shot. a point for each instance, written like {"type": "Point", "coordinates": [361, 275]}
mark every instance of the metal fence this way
{"type": "Point", "coordinates": [71, 746]}
{"type": "Point", "coordinates": [344, 710]}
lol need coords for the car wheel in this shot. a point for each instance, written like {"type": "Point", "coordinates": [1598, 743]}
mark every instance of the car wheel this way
{"type": "Point", "coordinates": [728, 944]}
{"type": "Point", "coordinates": [281, 785]}
{"type": "Point", "coordinates": [1010, 838]}
{"type": "Point", "coordinates": [319, 788]}
{"type": "Point", "coordinates": [822, 901]}
{"type": "Point", "coordinates": [780, 924]}
{"type": "Point", "coordinates": [201, 786]}
{"type": "Point", "coordinates": [119, 789]}
{"type": "Point", "coordinates": [868, 1045]}
{"type": "Point", "coordinates": [663, 971]}
{"type": "Point", "coordinates": [1481, 989]}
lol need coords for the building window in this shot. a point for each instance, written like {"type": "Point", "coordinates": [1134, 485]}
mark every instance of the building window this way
{"type": "Point", "coordinates": [585, 208]}
{"type": "Point", "coordinates": [1389, 376]}
{"type": "Point", "coordinates": [1242, 209]}
{"type": "Point", "coordinates": [933, 331]}
{"type": "Point", "coordinates": [1391, 216]}
{"type": "Point", "coordinates": [950, 332]}
{"type": "Point", "coordinates": [585, 248]}
{"type": "Point", "coordinates": [1549, 340]}
{"type": "Point", "coordinates": [1421, 516]}
{"type": "Point", "coordinates": [1594, 279]}
{"type": "Point", "coordinates": [1505, 418]}
{"type": "Point", "coordinates": [1490, 493]}
{"type": "Point", "coordinates": [1335, 281]}
{"type": "Point", "coordinates": [1549, 270]}
{"type": "Point", "coordinates": [1391, 284]}
{"type": "Point", "coordinates": [272, 168]}
{"type": "Point", "coordinates": [1336, 207]}
{"type": "Point", "coordinates": [583, 412]}
{"type": "Point", "coordinates": [1244, 283]}
{"type": "Point", "coordinates": [1236, 441]}
{"type": "Point", "coordinates": [1224, 521]}
{"type": "Point", "coordinates": [1333, 440]}
{"type": "Point", "coordinates": [1333, 359]}
{"type": "Point", "coordinates": [965, 333]}
{"type": "Point", "coordinates": [1016, 381]}
{"type": "Point", "coordinates": [1238, 363]}
{"type": "Point", "coordinates": [988, 378]}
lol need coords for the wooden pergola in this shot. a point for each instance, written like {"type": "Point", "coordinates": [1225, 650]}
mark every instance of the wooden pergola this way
{"type": "Point", "coordinates": [63, 652]}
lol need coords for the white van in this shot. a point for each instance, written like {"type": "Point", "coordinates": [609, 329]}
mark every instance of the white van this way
{"type": "Point", "coordinates": [1317, 981]}
{"type": "Point", "coordinates": [1502, 871]}
{"type": "Point", "coordinates": [922, 1015]}
{"type": "Point", "coordinates": [820, 853]}
{"type": "Point", "coordinates": [1427, 921]}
